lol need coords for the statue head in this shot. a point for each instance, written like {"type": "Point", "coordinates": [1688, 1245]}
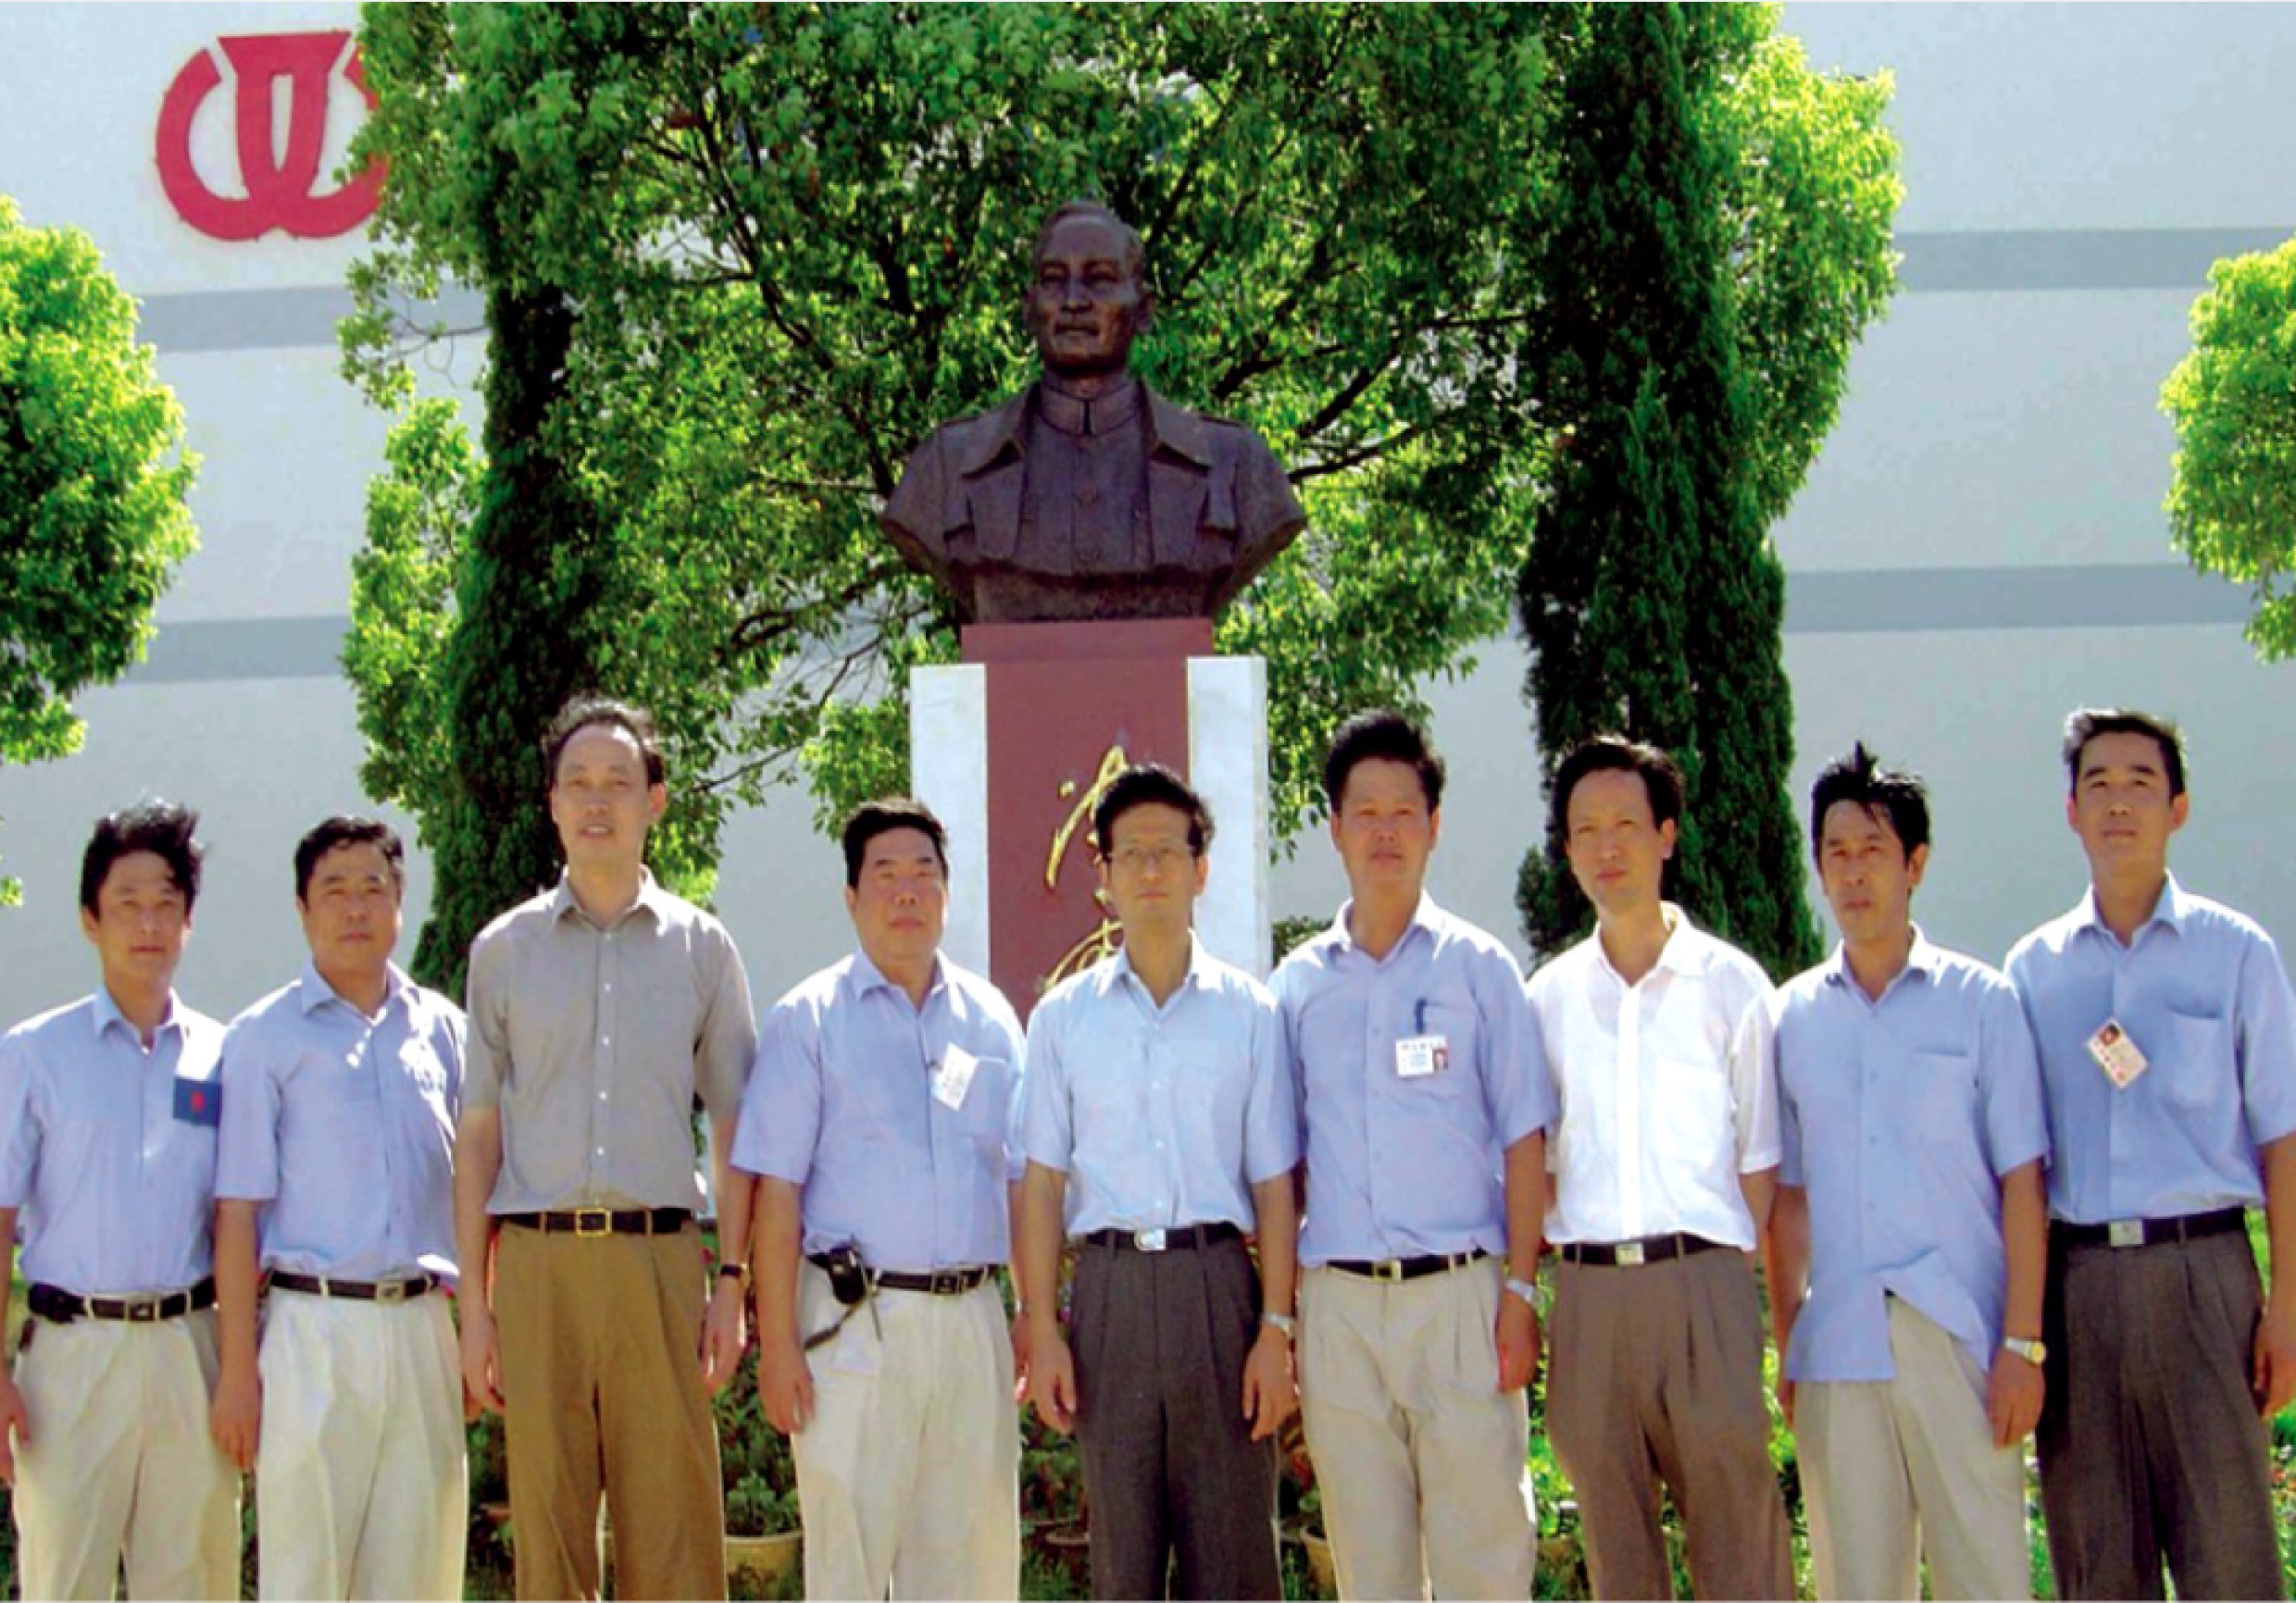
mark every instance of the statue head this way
{"type": "Point", "coordinates": [1088, 297]}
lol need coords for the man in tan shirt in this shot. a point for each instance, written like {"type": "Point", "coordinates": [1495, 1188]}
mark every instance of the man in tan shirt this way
{"type": "Point", "coordinates": [600, 1011]}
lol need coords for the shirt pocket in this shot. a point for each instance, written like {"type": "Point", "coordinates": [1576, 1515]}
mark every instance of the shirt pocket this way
{"type": "Point", "coordinates": [1694, 1114]}
{"type": "Point", "coordinates": [988, 1109]}
{"type": "Point", "coordinates": [1940, 1093]}
{"type": "Point", "coordinates": [2195, 1056]}
{"type": "Point", "coordinates": [1459, 1028]}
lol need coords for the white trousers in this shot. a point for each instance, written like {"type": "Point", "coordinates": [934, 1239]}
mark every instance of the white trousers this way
{"type": "Point", "coordinates": [909, 1474]}
{"type": "Point", "coordinates": [362, 1486]}
{"type": "Point", "coordinates": [119, 1462]}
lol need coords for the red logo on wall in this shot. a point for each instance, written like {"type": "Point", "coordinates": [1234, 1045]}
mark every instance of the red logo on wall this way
{"type": "Point", "coordinates": [280, 187]}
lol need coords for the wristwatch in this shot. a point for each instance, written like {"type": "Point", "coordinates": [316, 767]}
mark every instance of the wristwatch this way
{"type": "Point", "coordinates": [1523, 1289]}
{"type": "Point", "coordinates": [2031, 1352]}
{"type": "Point", "coordinates": [1283, 1321]}
{"type": "Point", "coordinates": [736, 1271]}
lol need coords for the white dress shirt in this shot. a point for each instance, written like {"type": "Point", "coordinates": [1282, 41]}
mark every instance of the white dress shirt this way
{"type": "Point", "coordinates": [1665, 1103]}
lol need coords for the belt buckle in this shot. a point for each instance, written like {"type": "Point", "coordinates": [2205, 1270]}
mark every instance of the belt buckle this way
{"type": "Point", "coordinates": [1630, 1254]}
{"type": "Point", "coordinates": [393, 1290]}
{"type": "Point", "coordinates": [1390, 1269]}
{"type": "Point", "coordinates": [593, 1222]}
{"type": "Point", "coordinates": [2125, 1233]}
{"type": "Point", "coordinates": [143, 1310]}
{"type": "Point", "coordinates": [1148, 1240]}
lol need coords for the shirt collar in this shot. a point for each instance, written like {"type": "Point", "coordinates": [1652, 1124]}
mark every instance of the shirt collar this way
{"type": "Point", "coordinates": [863, 975]}
{"type": "Point", "coordinates": [1105, 415]}
{"type": "Point", "coordinates": [1003, 429]}
{"type": "Point", "coordinates": [1427, 916]}
{"type": "Point", "coordinates": [652, 899]}
{"type": "Point", "coordinates": [317, 993]}
{"type": "Point", "coordinates": [1199, 967]}
{"type": "Point", "coordinates": [2172, 909]}
{"type": "Point", "coordinates": [106, 1013]}
{"type": "Point", "coordinates": [1923, 957]}
{"type": "Point", "coordinates": [1689, 950]}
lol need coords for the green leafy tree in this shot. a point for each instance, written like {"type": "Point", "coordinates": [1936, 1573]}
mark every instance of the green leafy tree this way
{"type": "Point", "coordinates": [2232, 491]}
{"type": "Point", "coordinates": [1690, 365]}
{"type": "Point", "coordinates": [92, 480]}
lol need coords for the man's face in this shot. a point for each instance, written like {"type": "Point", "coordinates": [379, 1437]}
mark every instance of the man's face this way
{"type": "Point", "coordinates": [1617, 849]}
{"type": "Point", "coordinates": [1084, 306]}
{"type": "Point", "coordinates": [2121, 808]}
{"type": "Point", "coordinates": [141, 924]}
{"type": "Point", "coordinates": [1384, 830]}
{"type": "Point", "coordinates": [902, 902]}
{"type": "Point", "coordinates": [1151, 875]}
{"type": "Point", "coordinates": [351, 913]}
{"type": "Point", "coordinates": [1869, 878]}
{"type": "Point", "coordinates": [600, 800]}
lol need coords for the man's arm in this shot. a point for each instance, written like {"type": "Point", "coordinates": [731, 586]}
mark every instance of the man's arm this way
{"type": "Point", "coordinates": [1052, 1371]}
{"type": "Point", "coordinates": [2014, 1388]}
{"type": "Point", "coordinates": [2275, 1378]}
{"type": "Point", "coordinates": [784, 1382]}
{"type": "Point", "coordinates": [235, 1418]}
{"type": "Point", "coordinates": [1015, 1198]}
{"type": "Point", "coordinates": [725, 1333]}
{"type": "Point", "coordinates": [477, 1163]}
{"type": "Point", "coordinates": [1760, 1189]}
{"type": "Point", "coordinates": [1517, 1329]}
{"type": "Point", "coordinates": [1270, 1392]}
{"type": "Point", "coordinates": [1787, 1261]}
{"type": "Point", "coordinates": [14, 1422]}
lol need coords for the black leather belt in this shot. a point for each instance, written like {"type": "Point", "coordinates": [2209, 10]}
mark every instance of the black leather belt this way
{"type": "Point", "coordinates": [1179, 1239]}
{"type": "Point", "coordinates": [54, 1303]}
{"type": "Point", "coordinates": [2149, 1232]}
{"type": "Point", "coordinates": [604, 1221]}
{"type": "Point", "coordinates": [940, 1282]}
{"type": "Point", "coordinates": [1646, 1249]}
{"type": "Point", "coordinates": [405, 1290]}
{"type": "Point", "coordinates": [1408, 1268]}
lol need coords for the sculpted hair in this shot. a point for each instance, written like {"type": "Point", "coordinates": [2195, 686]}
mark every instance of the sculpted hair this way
{"type": "Point", "coordinates": [2087, 723]}
{"type": "Point", "coordinates": [163, 828]}
{"type": "Point", "coordinates": [1135, 253]}
{"type": "Point", "coordinates": [1860, 780]}
{"type": "Point", "coordinates": [1140, 785]}
{"type": "Point", "coordinates": [582, 712]}
{"type": "Point", "coordinates": [345, 829]}
{"type": "Point", "coordinates": [1384, 736]}
{"type": "Point", "coordinates": [882, 816]}
{"type": "Point", "coordinates": [1662, 780]}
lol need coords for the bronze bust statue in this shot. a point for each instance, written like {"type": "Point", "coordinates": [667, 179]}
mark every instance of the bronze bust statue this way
{"type": "Point", "coordinates": [1088, 495]}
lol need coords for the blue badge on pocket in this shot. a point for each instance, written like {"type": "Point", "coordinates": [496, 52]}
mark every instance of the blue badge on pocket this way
{"type": "Point", "coordinates": [199, 1102]}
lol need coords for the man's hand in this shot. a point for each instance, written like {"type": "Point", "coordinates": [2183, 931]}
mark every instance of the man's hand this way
{"type": "Point", "coordinates": [784, 1383]}
{"type": "Point", "coordinates": [1020, 1358]}
{"type": "Point", "coordinates": [2275, 1379]}
{"type": "Point", "coordinates": [1270, 1394]}
{"type": "Point", "coordinates": [481, 1355]}
{"type": "Point", "coordinates": [15, 1427]}
{"type": "Point", "coordinates": [1051, 1379]}
{"type": "Point", "coordinates": [725, 1331]}
{"type": "Point", "coordinates": [1517, 1337]}
{"type": "Point", "coordinates": [1786, 1396]}
{"type": "Point", "coordinates": [235, 1417]}
{"type": "Point", "coordinates": [2012, 1396]}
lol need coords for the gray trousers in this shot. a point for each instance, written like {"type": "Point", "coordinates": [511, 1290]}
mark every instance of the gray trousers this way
{"type": "Point", "coordinates": [2151, 1447]}
{"type": "Point", "coordinates": [1174, 1485]}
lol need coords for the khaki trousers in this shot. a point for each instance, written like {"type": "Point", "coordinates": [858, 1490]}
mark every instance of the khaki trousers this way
{"type": "Point", "coordinates": [1657, 1376]}
{"type": "Point", "coordinates": [908, 1471]}
{"type": "Point", "coordinates": [1905, 1469]}
{"type": "Point", "coordinates": [1418, 1453]}
{"type": "Point", "coordinates": [362, 1482]}
{"type": "Point", "coordinates": [119, 1462]}
{"type": "Point", "coordinates": [602, 1377]}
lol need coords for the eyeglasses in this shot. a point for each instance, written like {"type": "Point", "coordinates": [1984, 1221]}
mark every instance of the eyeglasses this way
{"type": "Point", "coordinates": [1133, 859]}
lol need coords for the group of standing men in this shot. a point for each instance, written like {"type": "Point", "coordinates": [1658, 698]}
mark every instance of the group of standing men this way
{"type": "Point", "coordinates": [1983, 1201]}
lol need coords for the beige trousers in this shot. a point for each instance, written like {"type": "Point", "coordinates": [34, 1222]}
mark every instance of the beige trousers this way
{"type": "Point", "coordinates": [362, 1484]}
{"type": "Point", "coordinates": [908, 1473]}
{"type": "Point", "coordinates": [1896, 1469]}
{"type": "Point", "coordinates": [1418, 1453]}
{"type": "Point", "coordinates": [119, 1462]}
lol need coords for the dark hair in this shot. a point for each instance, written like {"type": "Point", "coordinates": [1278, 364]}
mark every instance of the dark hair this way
{"type": "Point", "coordinates": [2087, 723]}
{"type": "Point", "coordinates": [345, 830]}
{"type": "Point", "coordinates": [582, 712]}
{"type": "Point", "coordinates": [870, 820]}
{"type": "Point", "coordinates": [1860, 780]}
{"type": "Point", "coordinates": [1135, 253]}
{"type": "Point", "coordinates": [162, 828]}
{"type": "Point", "coordinates": [1381, 736]}
{"type": "Point", "coordinates": [1140, 785]}
{"type": "Point", "coordinates": [1662, 780]}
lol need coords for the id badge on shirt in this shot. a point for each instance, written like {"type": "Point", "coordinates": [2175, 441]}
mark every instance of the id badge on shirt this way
{"type": "Point", "coordinates": [199, 1102]}
{"type": "Point", "coordinates": [953, 1077]}
{"type": "Point", "coordinates": [1420, 1056]}
{"type": "Point", "coordinates": [2116, 1055]}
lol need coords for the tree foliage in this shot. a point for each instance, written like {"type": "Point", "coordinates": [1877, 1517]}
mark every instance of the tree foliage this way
{"type": "Point", "coordinates": [1686, 417]}
{"type": "Point", "coordinates": [2232, 491]}
{"type": "Point", "coordinates": [93, 481]}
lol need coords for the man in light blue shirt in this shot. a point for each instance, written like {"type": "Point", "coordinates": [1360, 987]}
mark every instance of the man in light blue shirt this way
{"type": "Point", "coordinates": [336, 1175]}
{"type": "Point", "coordinates": [1909, 1216]}
{"type": "Point", "coordinates": [107, 1156]}
{"type": "Point", "coordinates": [880, 1123]}
{"type": "Point", "coordinates": [1160, 1131]}
{"type": "Point", "coordinates": [2168, 1039]}
{"type": "Point", "coordinates": [1426, 1100]}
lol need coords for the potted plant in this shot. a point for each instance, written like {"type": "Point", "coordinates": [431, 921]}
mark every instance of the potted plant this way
{"type": "Point", "coordinates": [763, 1534]}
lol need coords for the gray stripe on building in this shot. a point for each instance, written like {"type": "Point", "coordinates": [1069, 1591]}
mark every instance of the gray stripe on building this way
{"type": "Point", "coordinates": [298, 319]}
{"type": "Point", "coordinates": [1877, 601]}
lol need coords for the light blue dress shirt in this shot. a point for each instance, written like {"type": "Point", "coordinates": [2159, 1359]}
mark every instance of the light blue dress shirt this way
{"type": "Point", "coordinates": [117, 1192]}
{"type": "Point", "coordinates": [2202, 993]}
{"type": "Point", "coordinates": [1160, 1116]}
{"type": "Point", "coordinates": [842, 1104]}
{"type": "Point", "coordinates": [1900, 1117]}
{"type": "Point", "coordinates": [1402, 1166]}
{"type": "Point", "coordinates": [345, 1126]}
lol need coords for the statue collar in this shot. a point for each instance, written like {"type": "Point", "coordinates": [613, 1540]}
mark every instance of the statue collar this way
{"type": "Point", "coordinates": [1105, 416]}
{"type": "Point", "coordinates": [1171, 428]}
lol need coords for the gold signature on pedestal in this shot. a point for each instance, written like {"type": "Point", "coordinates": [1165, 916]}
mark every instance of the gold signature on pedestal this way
{"type": "Point", "coordinates": [1101, 942]}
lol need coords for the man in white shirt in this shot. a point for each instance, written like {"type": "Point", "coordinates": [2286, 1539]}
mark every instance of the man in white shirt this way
{"type": "Point", "coordinates": [1665, 1162]}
